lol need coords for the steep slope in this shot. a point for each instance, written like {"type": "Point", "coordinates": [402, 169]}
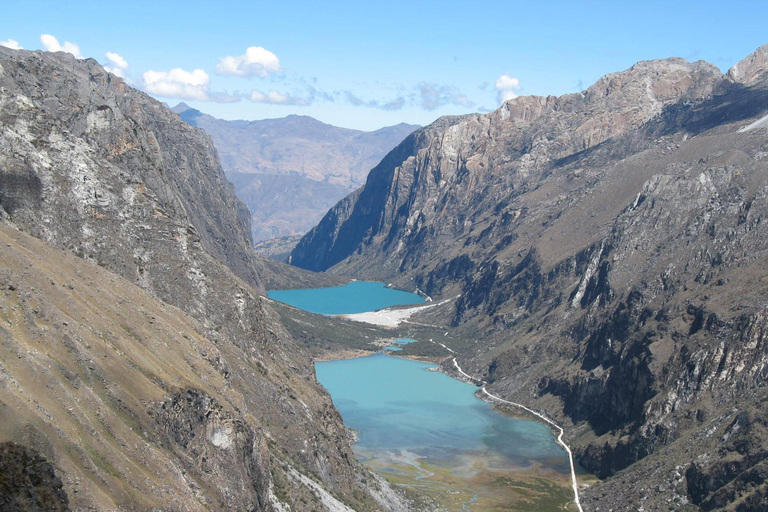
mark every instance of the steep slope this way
{"type": "Point", "coordinates": [609, 249]}
{"type": "Point", "coordinates": [89, 165]}
{"type": "Point", "coordinates": [430, 187]}
{"type": "Point", "coordinates": [290, 171]}
{"type": "Point", "coordinates": [115, 388]}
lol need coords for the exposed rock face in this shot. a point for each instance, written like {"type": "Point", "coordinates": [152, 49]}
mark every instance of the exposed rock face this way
{"type": "Point", "coordinates": [209, 437]}
{"type": "Point", "coordinates": [86, 160]}
{"type": "Point", "coordinates": [752, 69]}
{"type": "Point", "coordinates": [440, 170]}
{"type": "Point", "coordinates": [28, 482]}
{"type": "Point", "coordinates": [290, 171]}
{"type": "Point", "coordinates": [140, 404]}
{"type": "Point", "coordinates": [609, 250]}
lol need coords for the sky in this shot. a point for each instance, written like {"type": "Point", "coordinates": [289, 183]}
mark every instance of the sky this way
{"type": "Point", "coordinates": [366, 65]}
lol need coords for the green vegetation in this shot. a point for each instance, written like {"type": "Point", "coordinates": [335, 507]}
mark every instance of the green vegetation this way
{"type": "Point", "coordinates": [323, 335]}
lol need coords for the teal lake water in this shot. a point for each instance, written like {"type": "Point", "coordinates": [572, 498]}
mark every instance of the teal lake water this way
{"type": "Point", "coordinates": [355, 297]}
{"type": "Point", "coordinates": [396, 404]}
{"type": "Point", "coordinates": [423, 429]}
{"type": "Point", "coordinates": [398, 346]}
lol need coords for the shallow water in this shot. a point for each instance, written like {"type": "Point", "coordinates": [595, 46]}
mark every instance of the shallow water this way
{"type": "Point", "coordinates": [397, 346]}
{"type": "Point", "coordinates": [355, 297]}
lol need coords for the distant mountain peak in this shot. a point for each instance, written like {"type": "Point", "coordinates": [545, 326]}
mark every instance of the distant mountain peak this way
{"type": "Point", "coordinates": [187, 113]}
{"type": "Point", "coordinates": [181, 107]}
{"type": "Point", "coordinates": [291, 170]}
{"type": "Point", "coordinates": [752, 68]}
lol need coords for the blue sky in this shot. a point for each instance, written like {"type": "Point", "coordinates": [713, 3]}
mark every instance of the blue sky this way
{"type": "Point", "coordinates": [370, 64]}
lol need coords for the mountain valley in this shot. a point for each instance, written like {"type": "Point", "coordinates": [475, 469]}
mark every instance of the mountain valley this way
{"type": "Point", "coordinates": [290, 171]}
{"type": "Point", "coordinates": [601, 257]}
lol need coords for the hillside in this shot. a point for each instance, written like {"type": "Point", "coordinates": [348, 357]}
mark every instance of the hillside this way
{"type": "Point", "coordinates": [609, 248]}
{"type": "Point", "coordinates": [149, 372]}
{"type": "Point", "coordinates": [290, 171]}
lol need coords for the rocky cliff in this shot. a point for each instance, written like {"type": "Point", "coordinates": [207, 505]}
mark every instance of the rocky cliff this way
{"type": "Point", "coordinates": [609, 251]}
{"type": "Point", "coordinates": [149, 373]}
{"type": "Point", "coordinates": [290, 171]}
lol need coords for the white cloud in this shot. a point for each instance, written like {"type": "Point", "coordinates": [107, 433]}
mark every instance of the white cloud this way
{"type": "Point", "coordinates": [178, 83]}
{"type": "Point", "coordinates": [395, 104]}
{"type": "Point", "coordinates": [432, 96]}
{"type": "Point", "coordinates": [51, 44]}
{"type": "Point", "coordinates": [117, 64]}
{"type": "Point", "coordinates": [12, 44]}
{"type": "Point", "coordinates": [507, 87]}
{"type": "Point", "coordinates": [185, 85]}
{"type": "Point", "coordinates": [277, 98]}
{"type": "Point", "coordinates": [255, 62]}
{"type": "Point", "coordinates": [354, 100]}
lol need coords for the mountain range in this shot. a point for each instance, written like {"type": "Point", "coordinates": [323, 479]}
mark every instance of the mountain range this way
{"type": "Point", "coordinates": [290, 171]}
{"type": "Point", "coordinates": [607, 253]}
{"type": "Point", "coordinates": [601, 257]}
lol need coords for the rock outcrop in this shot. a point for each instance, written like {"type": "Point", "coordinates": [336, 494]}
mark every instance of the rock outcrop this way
{"type": "Point", "coordinates": [198, 400]}
{"type": "Point", "coordinates": [28, 481]}
{"type": "Point", "coordinates": [752, 69]}
{"type": "Point", "coordinates": [290, 171]}
{"type": "Point", "coordinates": [609, 251]}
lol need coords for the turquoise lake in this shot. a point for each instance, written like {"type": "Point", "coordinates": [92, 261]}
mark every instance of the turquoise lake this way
{"type": "Point", "coordinates": [398, 346]}
{"type": "Point", "coordinates": [424, 430]}
{"type": "Point", "coordinates": [355, 297]}
{"type": "Point", "coordinates": [396, 404]}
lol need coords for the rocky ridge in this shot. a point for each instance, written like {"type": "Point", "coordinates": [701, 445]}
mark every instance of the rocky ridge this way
{"type": "Point", "coordinates": [609, 251]}
{"type": "Point", "coordinates": [126, 396]}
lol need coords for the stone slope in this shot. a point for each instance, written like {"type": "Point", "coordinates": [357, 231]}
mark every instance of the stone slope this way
{"type": "Point", "coordinates": [290, 171]}
{"type": "Point", "coordinates": [89, 165]}
{"type": "Point", "coordinates": [609, 250]}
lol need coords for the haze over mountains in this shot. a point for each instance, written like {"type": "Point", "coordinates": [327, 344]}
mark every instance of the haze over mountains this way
{"type": "Point", "coordinates": [290, 171]}
{"type": "Point", "coordinates": [609, 253]}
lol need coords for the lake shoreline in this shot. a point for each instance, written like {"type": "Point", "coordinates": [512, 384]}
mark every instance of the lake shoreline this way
{"type": "Point", "coordinates": [458, 454]}
{"type": "Point", "coordinates": [355, 297]}
{"type": "Point", "coordinates": [346, 354]}
{"type": "Point", "coordinates": [464, 454]}
{"type": "Point", "coordinates": [342, 355]}
{"type": "Point", "coordinates": [391, 317]}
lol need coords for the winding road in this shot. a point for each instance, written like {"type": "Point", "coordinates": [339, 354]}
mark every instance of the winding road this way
{"type": "Point", "coordinates": [560, 441]}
